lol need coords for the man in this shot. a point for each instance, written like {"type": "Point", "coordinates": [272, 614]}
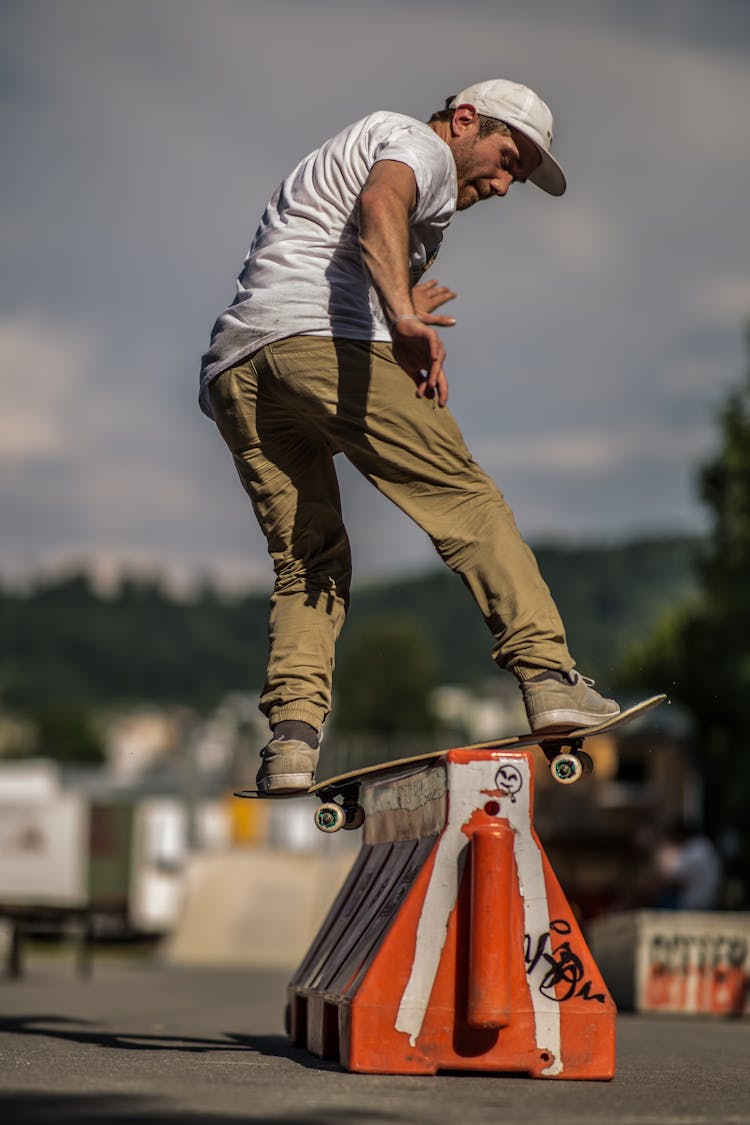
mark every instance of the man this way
{"type": "Point", "coordinates": [319, 353]}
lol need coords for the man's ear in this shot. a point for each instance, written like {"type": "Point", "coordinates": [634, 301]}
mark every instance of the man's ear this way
{"type": "Point", "coordinates": [463, 118]}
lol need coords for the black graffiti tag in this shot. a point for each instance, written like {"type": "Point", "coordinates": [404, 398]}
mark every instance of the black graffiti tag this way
{"type": "Point", "coordinates": [715, 952]}
{"type": "Point", "coordinates": [509, 780]}
{"type": "Point", "coordinates": [565, 967]}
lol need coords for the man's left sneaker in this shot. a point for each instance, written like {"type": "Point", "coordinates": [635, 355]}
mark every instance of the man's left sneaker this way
{"type": "Point", "coordinates": [560, 701]}
{"type": "Point", "coordinates": [287, 766]}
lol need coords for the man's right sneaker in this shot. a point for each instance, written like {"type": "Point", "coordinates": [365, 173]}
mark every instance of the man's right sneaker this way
{"type": "Point", "coordinates": [561, 701]}
{"type": "Point", "coordinates": [287, 766]}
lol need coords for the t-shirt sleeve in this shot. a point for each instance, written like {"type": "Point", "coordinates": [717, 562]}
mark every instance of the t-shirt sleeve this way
{"type": "Point", "coordinates": [432, 164]}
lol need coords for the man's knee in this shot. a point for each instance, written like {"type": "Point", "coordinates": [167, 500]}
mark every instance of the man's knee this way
{"type": "Point", "coordinates": [481, 528]}
{"type": "Point", "coordinates": [320, 587]}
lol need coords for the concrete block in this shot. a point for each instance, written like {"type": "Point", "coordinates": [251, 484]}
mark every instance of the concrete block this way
{"type": "Point", "coordinates": [675, 961]}
{"type": "Point", "coordinates": [254, 907]}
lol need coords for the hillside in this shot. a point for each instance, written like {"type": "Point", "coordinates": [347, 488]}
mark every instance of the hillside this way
{"type": "Point", "coordinates": [64, 642]}
{"type": "Point", "coordinates": [608, 597]}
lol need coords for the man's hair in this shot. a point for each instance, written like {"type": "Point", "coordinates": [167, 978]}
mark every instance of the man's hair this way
{"type": "Point", "coordinates": [487, 125]}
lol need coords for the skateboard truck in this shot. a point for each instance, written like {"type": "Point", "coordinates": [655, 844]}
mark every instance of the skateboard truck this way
{"type": "Point", "coordinates": [345, 812]}
{"type": "Point", "coordinates": [568, 762]}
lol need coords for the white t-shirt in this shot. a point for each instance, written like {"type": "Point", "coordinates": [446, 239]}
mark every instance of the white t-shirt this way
{"type": "Point", "coordinates": [304, 274]}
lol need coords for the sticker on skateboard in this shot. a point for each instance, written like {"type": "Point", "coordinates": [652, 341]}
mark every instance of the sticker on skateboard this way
{"type": "Point", "coordinates": [568, 762]}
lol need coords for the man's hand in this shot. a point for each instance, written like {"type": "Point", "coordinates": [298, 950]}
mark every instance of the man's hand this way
{"type": "Point", "coordinates": [430, 295]}
{"type": "Point", "coordinates": [420, 351]}
{"type": "Point", "coordinates": [412, 347]}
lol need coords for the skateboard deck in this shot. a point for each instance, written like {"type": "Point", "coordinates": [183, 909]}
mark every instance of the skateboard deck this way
{"type": "Point", "coordinates": [563, 750]}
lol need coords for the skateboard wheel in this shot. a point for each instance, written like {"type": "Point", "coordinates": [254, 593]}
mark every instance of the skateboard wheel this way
{"type": "Point", "coordinates": [586, 761]}
{"type": "Point", "coordinates": [566, 768]}
{"type": "Point", "coordinates": [330, 817]}
{"type": "Point", "coordinates": [355, 818]}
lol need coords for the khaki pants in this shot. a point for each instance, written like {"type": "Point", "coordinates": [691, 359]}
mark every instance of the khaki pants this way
{"type": "Point", "coordinates": [284, 413]}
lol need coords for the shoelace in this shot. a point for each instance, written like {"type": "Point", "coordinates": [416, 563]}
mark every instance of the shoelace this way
{"type": "Point", "coordinates": [572, 681]}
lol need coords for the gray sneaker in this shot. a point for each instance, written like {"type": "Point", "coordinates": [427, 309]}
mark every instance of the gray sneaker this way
{"type": "Point", "coordinates": [562, 701]}
{"type": "Point", "coordinates": [287, 766]}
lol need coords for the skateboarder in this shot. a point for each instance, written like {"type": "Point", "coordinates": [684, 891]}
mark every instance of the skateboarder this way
{"type": "Point", "coordinates": [331, 345]}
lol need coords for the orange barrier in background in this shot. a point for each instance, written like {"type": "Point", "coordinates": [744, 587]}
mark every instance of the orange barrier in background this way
{"type": "Point", "coordinates": [451, 944]}
{"type": "Point", "coordinates": [702, 975]}
{"type": "Point", "coordinates": [682, 961]}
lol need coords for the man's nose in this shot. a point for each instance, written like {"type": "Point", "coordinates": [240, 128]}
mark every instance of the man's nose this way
{"type": "Point", "coordinates": [501, 183]}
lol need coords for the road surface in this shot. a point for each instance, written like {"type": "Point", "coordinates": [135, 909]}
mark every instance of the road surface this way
{"type": "Point", "coordinates": [140, 1043]}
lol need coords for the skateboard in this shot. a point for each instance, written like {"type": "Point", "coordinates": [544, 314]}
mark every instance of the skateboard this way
{"type": "Point", "coordinates": [568, 762]}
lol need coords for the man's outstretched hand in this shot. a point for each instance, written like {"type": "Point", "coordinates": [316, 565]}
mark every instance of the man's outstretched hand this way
{"type": "Point", "coordinates": [427, 297]}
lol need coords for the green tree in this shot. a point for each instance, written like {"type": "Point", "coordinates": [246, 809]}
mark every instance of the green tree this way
{"type": "Point", "coordinates": [701, 652]}
{"type": "Point", "coordinates": [385, 672]}
{"type": "Point", "coordinates": [68, 734]}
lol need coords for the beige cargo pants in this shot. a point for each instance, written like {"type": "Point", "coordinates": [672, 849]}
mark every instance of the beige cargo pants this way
{"type": "Point", "coordinates": [284, 413]}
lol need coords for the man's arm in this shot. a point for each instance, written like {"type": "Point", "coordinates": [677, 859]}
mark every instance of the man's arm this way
{"type": "Point", "coordinates": [388, 197]}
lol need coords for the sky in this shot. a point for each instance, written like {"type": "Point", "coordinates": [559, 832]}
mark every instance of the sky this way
{"type": "Point", "coordinates": [597, 335]}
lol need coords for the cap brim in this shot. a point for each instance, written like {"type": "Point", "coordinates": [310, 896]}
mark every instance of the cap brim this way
{"type": "Point", "coordinates": [549, 176]}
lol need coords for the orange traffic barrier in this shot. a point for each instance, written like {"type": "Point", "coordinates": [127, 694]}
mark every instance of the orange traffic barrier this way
{"type": "Point", "coordinates": [451, 944]}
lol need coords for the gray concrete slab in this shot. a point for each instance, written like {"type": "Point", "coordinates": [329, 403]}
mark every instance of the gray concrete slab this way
{"type": "Point", "coordinates": [141, 1043]}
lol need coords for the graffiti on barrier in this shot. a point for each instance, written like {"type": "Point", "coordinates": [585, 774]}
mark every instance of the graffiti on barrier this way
{"type": "Point", "coordinates": [564, 978]}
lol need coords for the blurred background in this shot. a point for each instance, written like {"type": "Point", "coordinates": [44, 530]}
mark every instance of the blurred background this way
{"type": "Point", "coordinates": [598, 369]}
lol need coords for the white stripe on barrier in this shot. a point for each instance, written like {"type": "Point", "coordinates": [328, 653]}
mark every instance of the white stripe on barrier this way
{"type": "Point", "coordinates": [517, 808]}
{"type": "Point", "coordinates": [467, 784]}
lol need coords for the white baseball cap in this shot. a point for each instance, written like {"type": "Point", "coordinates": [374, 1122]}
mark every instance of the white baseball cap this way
{"type": "Point", "coordinates": [520, 107]}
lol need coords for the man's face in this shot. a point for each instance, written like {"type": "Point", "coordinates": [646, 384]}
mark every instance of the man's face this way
{"type": "Point", "coordinates": [487, 166]}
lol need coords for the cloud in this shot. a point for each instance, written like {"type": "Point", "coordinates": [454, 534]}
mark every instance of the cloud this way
{"type": "Point", "coordinates": [724, 299]}
{"type": "Point", "coordinates": [575, 454]}
{"type": "Point", "coordinates": [45, 369]}
{"type": "Point", "coordinates": [595, 333]}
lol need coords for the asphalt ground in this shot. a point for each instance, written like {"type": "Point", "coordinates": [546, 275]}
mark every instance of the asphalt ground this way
{"type": "Point", "coordinates": [142, 1043]}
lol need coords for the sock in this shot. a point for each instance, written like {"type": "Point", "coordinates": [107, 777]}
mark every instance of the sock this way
{"type": "Point", "coordinates": [295, 728]}
{"type": "Point", "coordinates": [551, 674]}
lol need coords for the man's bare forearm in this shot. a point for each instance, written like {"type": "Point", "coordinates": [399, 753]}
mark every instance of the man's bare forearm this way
{"type": "Point", "coordinates": [385, 204]}
{"type": "Point", "coordinates": [384, 235]}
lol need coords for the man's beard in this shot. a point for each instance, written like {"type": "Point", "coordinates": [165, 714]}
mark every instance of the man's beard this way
{"type": "Point", "coordinates": [468, 197]}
